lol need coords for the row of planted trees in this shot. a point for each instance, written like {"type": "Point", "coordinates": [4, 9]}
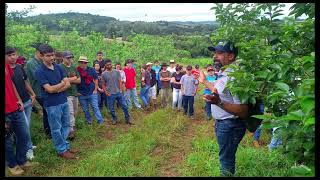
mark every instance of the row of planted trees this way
{"type": "Point", "coordinates": [276, 59]}
{"type": "Point", "coordinates": [143, 48]}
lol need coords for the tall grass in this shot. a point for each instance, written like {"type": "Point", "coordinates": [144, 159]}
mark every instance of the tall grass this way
{"type": "Point", "coordinates": [161, 143]}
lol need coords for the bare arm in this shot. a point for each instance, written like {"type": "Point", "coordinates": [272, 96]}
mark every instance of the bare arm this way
{"type": "Point", "coordinates": [66, 86]}
{"type": "Point", "coordinates": [95, 86]}
{"type": "Point", "coordinates": [240, 110]}
{"type": "Point", "coordinates": [75, 80]}
{"type": "Point", "coordinates": [21, 108]}
{"type": "Point", "coordinates": [30, 90]}
{"type": "Point", "coordinates": [54, 88]}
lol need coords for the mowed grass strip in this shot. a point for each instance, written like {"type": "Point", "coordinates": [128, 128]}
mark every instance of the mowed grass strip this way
{"type": "Point", "coordinates": [109, 150]}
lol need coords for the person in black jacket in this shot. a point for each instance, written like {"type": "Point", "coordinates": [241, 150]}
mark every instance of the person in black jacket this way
{"type": "Point", "coordinates": [153, 88]}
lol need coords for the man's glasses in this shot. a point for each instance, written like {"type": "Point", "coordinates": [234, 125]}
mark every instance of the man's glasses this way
{"type": "Point", "coordinates": [81, 62]}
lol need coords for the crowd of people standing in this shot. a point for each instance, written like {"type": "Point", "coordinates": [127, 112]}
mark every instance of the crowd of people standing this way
{"type": "Point", "coordinates": [59, 88]}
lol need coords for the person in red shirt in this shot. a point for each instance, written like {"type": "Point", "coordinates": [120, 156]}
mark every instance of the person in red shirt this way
{"type": "Point", "coordinates": [131, 91]}
{"type": "Point", "coordinates": [15, 123]}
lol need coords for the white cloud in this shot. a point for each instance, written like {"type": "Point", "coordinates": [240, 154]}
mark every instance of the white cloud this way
{"type": "Point", "coordinates": [131, 11]}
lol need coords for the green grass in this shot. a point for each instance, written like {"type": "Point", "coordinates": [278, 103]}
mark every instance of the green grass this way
{"type": "Point", "coordinates": [162, 143]}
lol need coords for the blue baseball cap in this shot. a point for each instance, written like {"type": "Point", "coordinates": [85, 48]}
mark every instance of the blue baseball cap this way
{"type": "Point", "coordinates": [67, 54]}
{"type": "Point", "coordinates": [224, 46]}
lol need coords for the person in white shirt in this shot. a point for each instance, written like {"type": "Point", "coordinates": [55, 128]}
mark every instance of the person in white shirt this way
{"type": "Point", "coordinates": [227, 110]}
{"type": "Point", "coordinates": [172, 67]}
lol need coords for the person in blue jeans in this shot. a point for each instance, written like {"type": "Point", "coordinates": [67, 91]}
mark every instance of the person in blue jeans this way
{"type": "Point", "coordinates": [54, 83]}
{"type": "Point", "coordinates": [112, 85]}
{"type": "Point", "coordinates": [211, 77]}
{"type": "Point", "coordinates": [88, 90]}
{"type": "Point", "coordinates": [20, 80]}
{"type": "Point", "coordinates": [227, 109]}
{"type": "Point", "coordinates": [157, 69]}
{"type": "Point", "coordinates": [101, 95]}
{"type": "Point", "coordinates": [15, 123]}
{"type": "Point", "coordinates": [145, 85]}
{"type": "Point", "coordinates": [276, 140]}
{"type": "Point", "coordinates": [188, 90]}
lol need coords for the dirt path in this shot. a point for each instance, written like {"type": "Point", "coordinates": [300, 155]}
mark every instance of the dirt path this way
{"type": "Point", "coordinates": [181, 149]}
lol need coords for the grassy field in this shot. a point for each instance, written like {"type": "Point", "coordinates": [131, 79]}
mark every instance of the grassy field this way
{"type": "Point", "coordinates": [161, 143]}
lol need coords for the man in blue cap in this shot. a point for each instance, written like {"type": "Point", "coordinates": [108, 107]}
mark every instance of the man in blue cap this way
{"type": "Point", "coordinates": [226, 108]}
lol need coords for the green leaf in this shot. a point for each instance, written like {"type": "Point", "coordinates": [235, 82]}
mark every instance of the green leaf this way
{"type": "Point", "coordinates": [307, 104]}
{"type": "Point", "coordinates": [308, 145]}
{"type": "Point", "coordinates": [282, 86]}
{"type": "Point", "coordinates": [297, 115]}
{"type": "Point", "coordinates": [275, 66]}
{"type": "Point", "coordinates": [301, 170]}
{"type": "Point", "coordinates": [309, 121]}
{"type": "Point", "coordinates": [263, 117]}
{"type": "Point", "coordinates": [262, 74]}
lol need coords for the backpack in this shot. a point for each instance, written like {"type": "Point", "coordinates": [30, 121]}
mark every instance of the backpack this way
{"type": "Point", "coordinates": [253, 123]}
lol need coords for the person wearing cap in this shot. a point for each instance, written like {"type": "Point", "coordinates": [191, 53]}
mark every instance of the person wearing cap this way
{"type": "Point", "coordinates": [131, 91]}
{"type": "Point", "coordinates": [176, 84]}
{"type": "Point", "coordinates": [211, 78]}
{"type": "Point", "coordinates": [172, 67]}
{"type": "Point", "coordinates": [145, 86]}
{"type": "Point", "coordinates": [28, 97]}
{"type": "Point", "coordinates": [227, 109]}
{"type": "Point", "coordinates": [33, 64]}
{"type": "Point", "coordinates": [157, 68]}
{"type": "Point", "coordinates": [15, 122]}
{"type": "Point", "coordinates": [88, 90]}
{"type": "Point", "coordinates": [165, 78]}
{"type": "Point", "coordinates": [112, 86]}
{"type": "Point", "coordinates": [72, 94]}
{"type": "Point", "coordinates": [153, 88]}
{"type": "Point", "coordinates": [188, 89]}
{"type": "Point", "coordinates": [100, 60]}
{"type": "Point", "coordinates": [54, 83]}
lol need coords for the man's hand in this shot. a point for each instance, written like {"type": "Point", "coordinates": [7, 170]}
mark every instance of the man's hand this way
{"type": "Point", "coordinates": [201, 77]}
{"type": "Point", "coordinates": [213, 99]}
{"type": "Point", "coordinates": [107, 93]}
{"type": "Point", "coordinates": [33, 99]}
{"type": "Point", "coordinates": [100, 90]}
{"type": "Point", "coordinates": [63, 82]}
{"type": "Point", "coordinates": [20, 104]}
{"type": "Point", "coordinates": [95, 92]}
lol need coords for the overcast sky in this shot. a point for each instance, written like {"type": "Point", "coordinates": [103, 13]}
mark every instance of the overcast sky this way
{"type": "Point", "coordinates": [132, 11]}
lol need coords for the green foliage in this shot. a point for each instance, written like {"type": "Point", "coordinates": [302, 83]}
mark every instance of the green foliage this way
{"type": "Point", "coordinates": [196, 45]}
{"type": "Point", "coordinates": [276, 64]}
{"type": "Point", "coordinates": [111, 27]}
{"type": "Point", "coordinates": [23, 36]}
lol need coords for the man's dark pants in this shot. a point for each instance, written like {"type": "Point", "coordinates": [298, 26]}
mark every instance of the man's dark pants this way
{"type": "Point", "coordinates": [188, 101]}
{"type": "Point", "coordinates": [45, 121]}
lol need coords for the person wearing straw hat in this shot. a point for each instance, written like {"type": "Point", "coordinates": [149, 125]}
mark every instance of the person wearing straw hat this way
{"type": "Point", "coordinates": [88, 90]}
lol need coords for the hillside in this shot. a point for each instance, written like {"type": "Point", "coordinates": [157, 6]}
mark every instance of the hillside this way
{"type": "Point", "coordinates": [110, 27]}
